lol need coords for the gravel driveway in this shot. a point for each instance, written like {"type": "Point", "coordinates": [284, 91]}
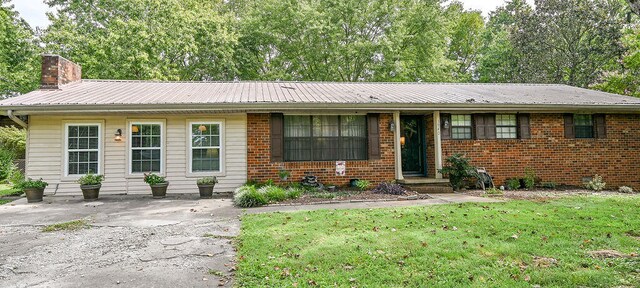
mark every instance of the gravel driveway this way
{"type": "Point", "coordinates": [132, 241]}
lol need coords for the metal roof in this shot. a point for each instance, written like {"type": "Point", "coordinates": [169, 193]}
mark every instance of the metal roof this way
{"type": "Point", "coordinates": [241, 95]}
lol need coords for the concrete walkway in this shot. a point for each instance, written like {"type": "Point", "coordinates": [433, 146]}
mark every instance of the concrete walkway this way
{"type": "Point", "coordinates": [136, 241]}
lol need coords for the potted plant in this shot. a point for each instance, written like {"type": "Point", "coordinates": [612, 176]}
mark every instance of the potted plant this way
{"type": "Point", "coordinates": [90, 185]}
{"type": "Point", "coordinates": [34, 189]}
{"type": "Point", "coordinates": [205, 185]}
{"type": "Point", "coordinates": [158, 185]}
{"type": "Point", "coordinates": [284, 174]}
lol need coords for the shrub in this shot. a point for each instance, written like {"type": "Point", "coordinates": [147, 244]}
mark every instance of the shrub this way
{"type": "Point", "coordinates": [30, 183]}
{"type": "Point", "coordinates": [625, 189]}
{"type": "Point", "coordinates": [389, 188]}
{"type": "Point", "coordinates": [596, 184]}
{"type": "Point", "coordinates": [6, 164]}
{"type": "Point", "coordinates": [513, 184]}
{"type": "Point", "coordinates": [549, 185]}
{"type": "Point", "coordinates": [273, 193]}
{"type": "Point", "coordinates": [14, 140]}
{"type": "Point", "coordinates": [153, 179]}
{"type": "Point", "coordinates": [294, 193]}
{"type": "Point", "coordinates": [248, 196]}
{"type": "Point", "coordinates": [529, 178]}
{"type": "Point", "coordinates": [210, 180]}
{"type": "Point", "coordinates": [494, 191]}
{"type": "Point", "coordinates": [458, 170]}
{"type": "Point", "coordinates": [90, 179]}
{"type": "Point", "coordinates": [363, 184]}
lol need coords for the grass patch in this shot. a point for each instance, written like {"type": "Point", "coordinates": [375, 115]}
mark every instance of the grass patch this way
{"type": "Point", "coordinates": [511, 244]}
{"type": "Point", "coordinates": [67, 226]}
{"type": "Point", "coordinates": [209, 235]}
{"type": "Point", "coordinates": [7, 190]}
{"type": "Point", "coordinates": [216, 273]}
{"type": "Point", "coordinates": [2, 201]}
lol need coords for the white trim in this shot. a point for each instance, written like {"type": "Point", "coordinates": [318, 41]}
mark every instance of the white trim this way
{"type": "Point", "coordinates": [437, 144]}
{"type": "Point", "coordinates": [396, 145]}
{"type": "Point", "coordinates": [65, 141]}
{"type": "Point", "coordinates": [222, 147]}
{"type": "Point", "coordinates": [163, 139]}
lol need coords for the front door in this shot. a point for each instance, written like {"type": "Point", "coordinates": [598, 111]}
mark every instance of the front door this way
{"type": "Point", "coordinates": [413, 146]}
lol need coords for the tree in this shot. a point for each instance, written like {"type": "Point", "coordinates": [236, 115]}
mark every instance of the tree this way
{"type": "Point", "coordinates": [626, 78]}
{"type": "Point", "coordinates": [465, 40]}
{"type": "Point", "coordinates": [19, 61]}
{"type": "Point", "coordinates": [144, 39]}
{"type": "Point", "coordinates": [569, 41]}
{"type": "Point", "coordinates": [635, 6]}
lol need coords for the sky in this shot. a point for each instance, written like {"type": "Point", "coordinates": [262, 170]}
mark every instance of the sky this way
{"type": "Point", "coordinates": [34, 10]}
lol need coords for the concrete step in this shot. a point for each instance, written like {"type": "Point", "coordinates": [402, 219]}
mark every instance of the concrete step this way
{"type": "Point", "coordinates": [424, 181]}
{"type": "Point", "coordinates": [429, 189]}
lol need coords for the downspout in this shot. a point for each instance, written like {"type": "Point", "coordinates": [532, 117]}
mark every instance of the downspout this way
{"type": "Point", "coordinates": [16, 119]}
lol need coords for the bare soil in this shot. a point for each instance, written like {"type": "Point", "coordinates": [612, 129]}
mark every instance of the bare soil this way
{"type": "Point", "coordinates": [353, 195]}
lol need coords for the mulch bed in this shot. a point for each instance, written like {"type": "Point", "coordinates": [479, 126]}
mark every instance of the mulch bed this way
{"type": "Point", "coordinates": [352, 196]}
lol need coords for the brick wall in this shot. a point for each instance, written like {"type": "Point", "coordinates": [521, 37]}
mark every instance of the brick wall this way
{"type": "Point", "coordinates": [554, 158]}
{"type": "Point", "coordinates": [261, 168]}
{"type": "Point", "coordinates": [58, 71]}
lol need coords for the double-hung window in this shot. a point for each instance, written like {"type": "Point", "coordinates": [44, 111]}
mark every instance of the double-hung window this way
{"type": "Point", "coordinates": [146, 154]}
{"type": "Point", "coordinates": [83, 142]}
{"type": "Point", "coordinates": [205, 145]}
{"type": "Point", "coordinates": [506, 126]}
{"type": "Point", "coordinates": [583, 125]}
{"type": "Point", "coordinates": [325, 137]}
{"type": "Point", "coordinates": [461, 126]}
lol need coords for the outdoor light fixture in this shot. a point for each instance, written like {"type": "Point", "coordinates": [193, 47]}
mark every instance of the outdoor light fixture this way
{"type": "Point", "coordinates": [402, 141]}
{"type": "Point", "coordinates": [445, 124]}
{"type": "Point", "coordinates": [202, 128]}
{"type": "Point", "coordinates": [134, 129]}
{"type": "Point", "coordinates": [392, 126]}
{"type": "Point", "coordinates": [119, 135]}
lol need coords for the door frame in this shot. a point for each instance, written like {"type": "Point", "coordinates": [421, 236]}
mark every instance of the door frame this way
{"type": "Point", "coordinates": [423, 139]}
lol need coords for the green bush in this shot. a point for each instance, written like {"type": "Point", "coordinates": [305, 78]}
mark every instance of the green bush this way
{"type": "Point", "coordinates": [596, 184]}
{"type": "Point", "coordinates": [211, 180]}
{"type": "Point", "coordinates": [529, 178]}
{"type": "Point", "coordinates": [90, 179]}
{"type": "Point", "coordinates": [16, 177]}
{"type": "Point", "coordinates": [153, 179]}
{"type": "Point", "coordinates": [294, 193]}
{"type": "Point", "coordinates": [273, 193]}
{"type": "Point", "coordinates": [6, 164]}
{"type": "Point", "coordinates": [513, 184]}
{"type": "Point", "coordinates": [14, 140]}
{"type": "Point", "coordinates": [248, 196]}
{"type": "Point", "coordinates": [363, 184]}
{"type": "Point", "coordinates": [30, 183]}
{"type": "Point", "coordinates": [458, 170]}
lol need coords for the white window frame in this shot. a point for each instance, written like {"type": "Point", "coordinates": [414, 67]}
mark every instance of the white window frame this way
{"type": "Point", "coordinates": [222, 147]}
{"type": "Point", "coordinates": [515, 136]}
{"type": "Point", "coordinates": [163, 138]}
{"type": "Point", "coordinates": [100, 150]}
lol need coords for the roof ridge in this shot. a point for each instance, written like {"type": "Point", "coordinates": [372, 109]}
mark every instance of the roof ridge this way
{"type": "Point", "coordinates": [325, 82]}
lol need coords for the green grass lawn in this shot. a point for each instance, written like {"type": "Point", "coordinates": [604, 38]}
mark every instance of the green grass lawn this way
{"type": "Point", "coordinates": [473, 244]}
{"type": "Point", "coordinates": [7, 190]}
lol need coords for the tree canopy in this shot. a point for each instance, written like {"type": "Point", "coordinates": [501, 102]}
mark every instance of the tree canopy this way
{"type": "Point", "coordinates": [585, 43]}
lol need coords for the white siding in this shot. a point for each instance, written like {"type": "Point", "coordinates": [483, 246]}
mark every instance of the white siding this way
{"type": "Point", "coordinates": [45, 153]}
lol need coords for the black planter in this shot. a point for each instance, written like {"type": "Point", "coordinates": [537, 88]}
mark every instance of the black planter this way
{"type": "Point", "coordinates": [90, 192]}
{"type": "Point", "coordinates": [34, 194]}
{"type": "Point", "coordinates": [206, 190]}
{"type": "Point", "coordinates": [159, 190]}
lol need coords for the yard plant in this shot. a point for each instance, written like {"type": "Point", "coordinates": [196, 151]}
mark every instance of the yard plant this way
{"type": "Point", "coordinates": [154, 179]}
{"type": "Point", "coordinates": [512, 244]}
{"type": "Point", "coordinates": [458, 170]}
{"type": "Point", "coordinates": [90, 179]}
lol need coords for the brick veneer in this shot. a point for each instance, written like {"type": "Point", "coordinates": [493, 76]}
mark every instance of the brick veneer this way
{"type": "Point", "coordinates": [554, 158]}
{"type": "Point", "coordinates": [58, 71]}
{"type": "Point", "coordinates": [261, 168]}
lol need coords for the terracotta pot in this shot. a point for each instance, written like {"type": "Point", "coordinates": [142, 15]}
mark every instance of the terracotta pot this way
{"type": "Point", "coordinates": [206, 190]}
{"type": "Point", "coordinates": [90, 192]}
{"type": "Point", "coordinates": [159, 190]}
{"type": "Point", "coordinates": [34, 194]}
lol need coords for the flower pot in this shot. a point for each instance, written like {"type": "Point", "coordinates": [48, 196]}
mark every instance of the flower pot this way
{"type": "Point", "coordinates": [34, 194]}
{"type": "Point", "coordinates": [90, 192]}
{"type": "Point", "coordinates": [206, 190]}
{"type": "Point", "coordinates": [159, 190]}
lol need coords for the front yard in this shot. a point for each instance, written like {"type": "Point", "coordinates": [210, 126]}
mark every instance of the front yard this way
{"type": "Point", "coordinates": [513, 244]}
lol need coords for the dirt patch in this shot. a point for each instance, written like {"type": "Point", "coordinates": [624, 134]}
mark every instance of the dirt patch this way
{"type": "Point", "coordinates": [610, 254]}
{"type": "Point", "coordinates": [321, 197]}
{"type": "Point", "coordinates": [544, 262]}
{"type": "Point", "coordinates": [542, 195]}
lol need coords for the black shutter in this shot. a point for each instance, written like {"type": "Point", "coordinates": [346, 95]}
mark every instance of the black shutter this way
{"type": "Point", "coordinates": [524, 127]}
{"type": "Point", "coordinates": [445, 130]}
{"type": "Point", "coordinates": [569, 128]}
{"type": "Point", "coordinates": [373, 130]}
{"type": "Point", "coordinates": [490, 126]}
{"type": "Point", "coordinates": [600, 126]}
{"type": "Point", "coordinates": [277, 137]}
{"type": "Point", "coordinates": [478, 123]}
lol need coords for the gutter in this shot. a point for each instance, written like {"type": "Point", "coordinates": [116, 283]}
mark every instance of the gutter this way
{"type": "Point", "coordinates": [16, 119]}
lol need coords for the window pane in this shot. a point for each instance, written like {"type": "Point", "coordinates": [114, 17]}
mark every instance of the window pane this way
{"type": "Point", "coordinates": [584, 131]}
{"type": "Point", "coordinates": [506, 132]}
{"type": "Point", "coordinates": [583, 120]}
{"type": "Point", "coordinates": [325, 126]}
{"type": "Point", "coordinates": [506, 120]}
{"type": "Point", "coordinates": [297, 126]}
{"type": "Point", "coordinates": [460, 120]}
{"type": "Point", "coordinates": [83, 131]}
{"type": "Point", "coordinates": [83, 140]}
{"type": "Point", "coordinates": [297, 149]}
{"type": "Point", "coordinates": [353, 126]}
{"type": "Point", "coordinates": [73, 131]}
{"type": "Point", "coordinates": [461, 133]}
{"type": "Point", "coordinates": [205, 160]}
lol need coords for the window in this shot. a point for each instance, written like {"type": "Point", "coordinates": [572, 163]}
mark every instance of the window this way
{"type": "Point", "coordinates": [146, 147]}
{"type": "Point", "coordinates": [460, 126]}
{"type": "Point", "coordinates": [83, 149]}
{"type": "Point", "coordinates": [583, 125]}
{"type": "Point", "coordinates": [506, 126]}
{"type": "Point", "coordinates": [205, 146]}
{"type": "Point", "coordinates": [325, 137]}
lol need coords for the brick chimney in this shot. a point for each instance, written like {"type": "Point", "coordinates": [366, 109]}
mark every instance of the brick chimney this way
{"type": "Point", "coordinates": [58, 71]}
